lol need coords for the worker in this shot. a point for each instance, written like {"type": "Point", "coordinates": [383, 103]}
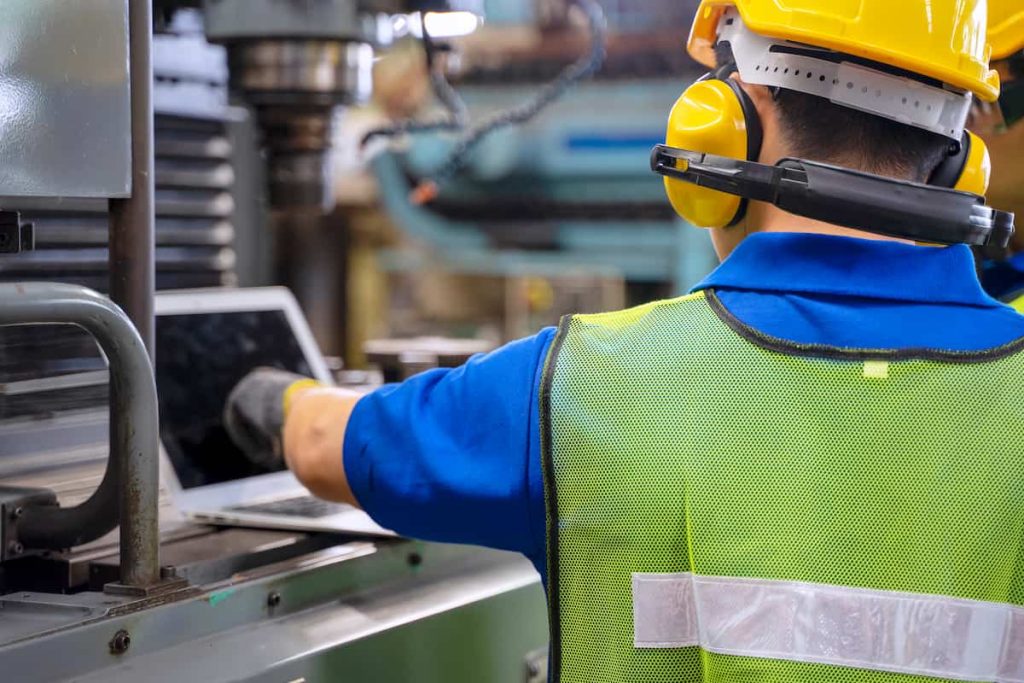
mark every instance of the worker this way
{"type": "Point", "coordinates": [808, 469]}
{"type": "Point", "coordinates": [1002, 128]}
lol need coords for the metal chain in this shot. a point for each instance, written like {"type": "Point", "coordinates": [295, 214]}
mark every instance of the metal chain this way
{"type": "Point", "coordinates": [550, 93]}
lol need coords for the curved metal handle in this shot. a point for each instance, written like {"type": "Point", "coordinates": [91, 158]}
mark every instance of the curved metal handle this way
{"type": "Point", "coordinates": [130, 487]}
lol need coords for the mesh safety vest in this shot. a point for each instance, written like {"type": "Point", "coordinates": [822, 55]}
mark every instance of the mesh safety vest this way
{"type": "Point", "coordinates": [726, 507]}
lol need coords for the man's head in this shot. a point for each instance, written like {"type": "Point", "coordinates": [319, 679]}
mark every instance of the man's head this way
{"type": "Point", "coordinates": [805, 126]}
{"type": "Point", "coordinates": [874, 86]}
{"type": "Point", "coordinates": [816, 129]}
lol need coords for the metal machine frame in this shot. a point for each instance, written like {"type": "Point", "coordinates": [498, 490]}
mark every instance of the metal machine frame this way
{"type": "Point", "coordinates": [124, 328]}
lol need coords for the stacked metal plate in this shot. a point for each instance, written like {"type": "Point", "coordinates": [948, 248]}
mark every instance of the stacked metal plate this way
{"type": "Point", "coordinates": [194, 230]}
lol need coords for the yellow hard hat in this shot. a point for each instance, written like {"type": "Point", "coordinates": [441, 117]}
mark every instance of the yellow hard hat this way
{"type": "Point", "coordinates": [941, 39]}
{"type": "Point", "coordinates": [1005, 27]}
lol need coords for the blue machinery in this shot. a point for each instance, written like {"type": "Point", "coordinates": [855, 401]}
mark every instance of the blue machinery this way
{"type": "Point", "coordinates": [570, 192]}
{"type": "Point", "coordinates": [587, 159]}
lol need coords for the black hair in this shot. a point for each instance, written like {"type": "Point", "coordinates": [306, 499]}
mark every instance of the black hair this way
{"type": "Point", "coordinates": [817, 129]}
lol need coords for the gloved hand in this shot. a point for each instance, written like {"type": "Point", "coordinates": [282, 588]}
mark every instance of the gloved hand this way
{"type": "Point", "coordinates": [255, 413]}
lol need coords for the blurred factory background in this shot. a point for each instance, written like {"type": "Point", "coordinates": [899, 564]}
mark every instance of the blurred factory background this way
{"type": "Point", "coordinates": [559, 215]}
{"type": "Point", "coordinates": [270, 169]}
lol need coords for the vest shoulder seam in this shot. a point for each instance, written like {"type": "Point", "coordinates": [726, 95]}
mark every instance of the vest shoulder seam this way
{"type": "Point", "coordinates": [824, 351]}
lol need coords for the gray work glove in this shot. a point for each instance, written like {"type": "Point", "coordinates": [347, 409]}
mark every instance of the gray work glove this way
{"type": "Point", "coordinates": [255, 412]}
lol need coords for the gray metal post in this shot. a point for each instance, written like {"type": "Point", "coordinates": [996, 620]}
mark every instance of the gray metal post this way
{"type": "Point", "coordinates": [132, 285]}
{"type": "Point", "coordinates": [131, 482]}
{"type": "Point", "coordinates": [133, 220]}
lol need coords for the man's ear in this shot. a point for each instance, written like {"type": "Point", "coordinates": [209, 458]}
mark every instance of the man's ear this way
{"type": "Point", "coordinates": [760, 95]}
{"type": "Point", "coordinates": [772, 148]}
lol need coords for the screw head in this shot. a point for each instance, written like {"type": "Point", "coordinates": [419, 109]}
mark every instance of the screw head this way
{"type": "Point", "coordinates": [273, 600]}
{"type": "Point", "coordinates": [17, 512]}
{"type": "Point", "coordinates": [15, 548]}
{"type": "Point", "coordinates": [120, 643]}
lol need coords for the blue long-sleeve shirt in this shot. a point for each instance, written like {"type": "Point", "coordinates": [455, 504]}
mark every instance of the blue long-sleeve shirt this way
{"type": "Point", "coordinates": [454, 455]}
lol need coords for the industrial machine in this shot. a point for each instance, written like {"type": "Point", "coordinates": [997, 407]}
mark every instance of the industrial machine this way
{"type": "Point", "coordinates": [570, 191]}
{"type": "Point", "coordinates": [218, 171]}
{"type": "Point", "coordinates": [96, 190]}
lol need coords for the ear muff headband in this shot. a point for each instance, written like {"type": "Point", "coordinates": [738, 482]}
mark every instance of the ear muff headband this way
{"type": "Point", "coordinates": [755, 137]}
{"type": "Point", "coordinates": [840, 196]}
{"type": "Point", "coordinates": [952, 167]}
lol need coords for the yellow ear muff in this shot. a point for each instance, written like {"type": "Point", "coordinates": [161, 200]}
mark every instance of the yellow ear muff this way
{"type": "Point", "coordinates": [978, 168]}
{"type": "Point", "coordinates": [969, 170]}
{"type": "Point", "coordinates": [712, 117]}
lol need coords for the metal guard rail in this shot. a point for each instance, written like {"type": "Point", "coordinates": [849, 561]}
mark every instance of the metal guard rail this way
{"type": "Point", "coordinates": [130, 487]}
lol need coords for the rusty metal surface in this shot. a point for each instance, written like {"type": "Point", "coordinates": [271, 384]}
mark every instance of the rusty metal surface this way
{"type": "Point", "coordinates": [132, 286]}
{"type": "Point", "coordinates": [134, 437]}
{"type": "Point", "coordinates": [133, 220]}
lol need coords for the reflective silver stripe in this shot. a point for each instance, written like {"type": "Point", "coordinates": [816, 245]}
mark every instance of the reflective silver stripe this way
{"type": "Point", "coordinates": [921, 635]}
{"type": "Point", "coordinates": [664, 611]}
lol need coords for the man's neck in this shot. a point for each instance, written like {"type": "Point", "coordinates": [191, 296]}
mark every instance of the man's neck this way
{"type": "Point", "coordinates": [776, 220]}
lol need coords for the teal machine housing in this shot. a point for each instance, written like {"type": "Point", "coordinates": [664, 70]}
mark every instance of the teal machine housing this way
{"type": "Point", "coordinates": [571, 190]}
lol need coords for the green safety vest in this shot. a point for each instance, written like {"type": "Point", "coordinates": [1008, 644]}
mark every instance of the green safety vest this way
{"type": "Point", "coordinates": [728, 507]}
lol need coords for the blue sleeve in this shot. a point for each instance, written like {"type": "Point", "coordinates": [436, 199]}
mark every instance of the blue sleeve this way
{"type": "Point", "coordinates": [454, 455]}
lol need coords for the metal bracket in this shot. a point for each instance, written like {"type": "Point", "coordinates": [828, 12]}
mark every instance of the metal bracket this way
{"type": "Point", "coordinates": [13, 503]}
{"type": "Point", "coordinates": [15, 236]}
{"type": "Point", "coordinates": [169, 582]}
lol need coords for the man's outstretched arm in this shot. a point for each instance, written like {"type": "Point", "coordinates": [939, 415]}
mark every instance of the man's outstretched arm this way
{"type": "Point", "coordinates": [314, 439]}
{"type": "Point", "coordinates": [451, 455]}
{"type": "Point", "coordinates": [273, 415]}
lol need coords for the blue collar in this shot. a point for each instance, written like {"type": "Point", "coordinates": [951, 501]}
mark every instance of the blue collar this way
{"type": "Point", "coordinates": [791, 263]}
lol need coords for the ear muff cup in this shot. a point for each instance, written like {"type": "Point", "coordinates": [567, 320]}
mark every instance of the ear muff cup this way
{"type": "Point", "coordinates": [713, 117]}
{"type": "Point", "coordinates": [969, 170]}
